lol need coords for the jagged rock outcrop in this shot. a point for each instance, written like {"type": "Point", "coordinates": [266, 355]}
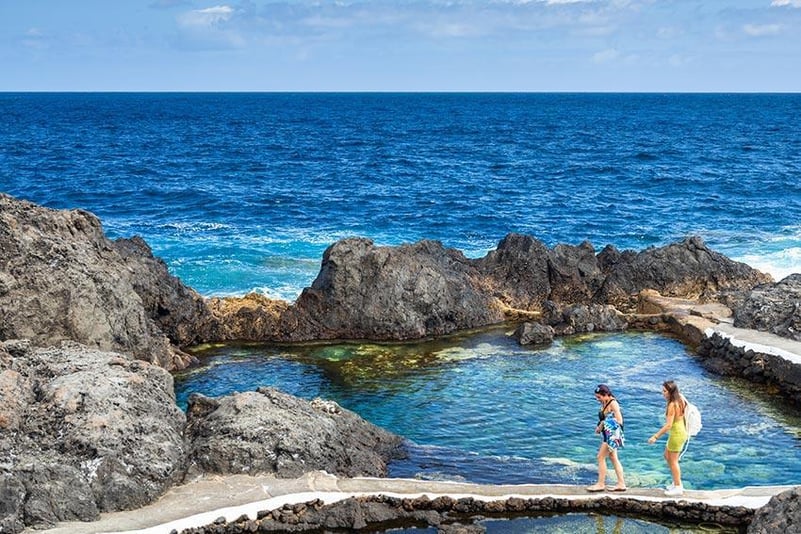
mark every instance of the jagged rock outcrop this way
{"type": "Point", "coordinates": [179, 311]}
{"type": "Point", "coordinates": [774, 308]}
{"type": "Point", "coordinates": [423, 290]}
{"type": "Point", "coordinates": [578, 319]}
{"type": "Point", "coordinates": [533, 334]}
{"type": "Point", "coordinates": [517, 272]}
{"type": "Point", "coordinates": [407, 292]}
{"type": "Point", "coordinates": [523, 273]}
{"type": "Point", "coordinates": [83, 432]}
{"type": "Point", "coordinates": [781, 514]}
{"type": "Point", "coordinates": [581, 319]}
{"type": "Point", "coordinates": [62, 279]}
{"type": "Point", "coordinates": [688, 269]}
{"type": "Point", "coordinates": [251, 318]}
{"type": "Point", "coordinates": [268, 431]}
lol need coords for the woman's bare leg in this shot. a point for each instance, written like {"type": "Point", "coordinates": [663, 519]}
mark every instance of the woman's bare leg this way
{"type": "Point", "coordinates": [621, 481]}
{"type": "Point", "coordinates": [603, 452]}
{"type": "Point", "coordinates": [672, 459]}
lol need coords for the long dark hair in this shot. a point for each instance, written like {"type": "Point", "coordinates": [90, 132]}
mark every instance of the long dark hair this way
{"type": "Point", "coordinates": [673, 392]}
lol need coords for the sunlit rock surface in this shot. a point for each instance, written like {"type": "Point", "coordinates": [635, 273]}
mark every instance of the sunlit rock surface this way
{"type": "Point", "coordinates": [268, 431]}
{"type": "Point", "coordinates": [83, 432]}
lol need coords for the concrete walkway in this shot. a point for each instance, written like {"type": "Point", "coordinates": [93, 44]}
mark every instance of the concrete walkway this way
{"type": "Point", "coordinates": [763, 342]}
{"type": "Point", "coordinates": [203, 501]}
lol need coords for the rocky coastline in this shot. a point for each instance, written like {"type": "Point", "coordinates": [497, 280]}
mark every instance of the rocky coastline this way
{"type": "Point", "coordinates": [90, 329]}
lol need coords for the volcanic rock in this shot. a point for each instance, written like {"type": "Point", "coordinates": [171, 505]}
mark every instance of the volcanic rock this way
{"type": "Point", "coordinates": [781, 514]}
{"type": "Point", "coordinates": [268, 431]}
{"type": "Point", "coordinates": [83, 432]}
{"type": "Point", "coordinates": [688, 269]}
{"type": "Point", "coordinates": [391, 293]}
{"type": "Point", "coordinates": [774, 308]}
{"type": "Point", "coordinates": [62, 279]}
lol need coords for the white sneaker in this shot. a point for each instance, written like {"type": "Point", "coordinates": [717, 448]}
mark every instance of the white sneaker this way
{"type": "Point", "coordinates": [675, 491]}
{"type": "Point", "coordinates": [669, 486]}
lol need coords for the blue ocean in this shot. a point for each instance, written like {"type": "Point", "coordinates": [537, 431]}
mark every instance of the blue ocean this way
{"type": "Point", "coordinates": [243, 192]}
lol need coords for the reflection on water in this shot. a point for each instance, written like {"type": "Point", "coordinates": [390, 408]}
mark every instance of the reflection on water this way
{"type": "Point", "coordinates": [592, 524]}
{"type": "Point", "coordinates": [481, 408]}
{"type": "Point", "coordinates": [574, 524]}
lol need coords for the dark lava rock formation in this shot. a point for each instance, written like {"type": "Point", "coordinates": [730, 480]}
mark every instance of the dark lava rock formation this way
{"type": "Point", "coordinates": [424, 290]}
{"type": "Point", "coordinates": [268, 431]}
{"type": "Point", "coordinates": [774, 308]}
{"type": "Point", "coordinates": [62, 279]}
{"type": "Point", "coordinates": [781, 514]}
{"type": "Point", "coordinates": [84, 432]}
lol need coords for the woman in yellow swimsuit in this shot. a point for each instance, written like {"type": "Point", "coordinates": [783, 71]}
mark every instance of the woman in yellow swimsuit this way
{"type": "Point", "coordinates": [674, 425]}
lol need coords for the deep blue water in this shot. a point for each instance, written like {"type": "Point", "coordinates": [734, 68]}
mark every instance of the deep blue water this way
{"type": "Point", "coordinates": [241, 192]}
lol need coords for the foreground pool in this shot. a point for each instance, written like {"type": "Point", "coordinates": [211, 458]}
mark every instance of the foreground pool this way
{"type": "Point", "coordinates": [483, 409]}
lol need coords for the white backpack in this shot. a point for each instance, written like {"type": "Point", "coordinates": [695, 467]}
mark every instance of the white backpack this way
{"type": "Point", "coordinates": [692, 418]}
{"type": "Point", "coordinates": [692, 421]}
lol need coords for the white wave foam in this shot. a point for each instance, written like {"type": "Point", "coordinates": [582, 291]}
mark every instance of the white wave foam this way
{"type": "Point", "coordinates": [779, 264]}
{"type": "Point", "coordinates": [196, 226]}
{"type": "Point", "coordinates": [567, 462]}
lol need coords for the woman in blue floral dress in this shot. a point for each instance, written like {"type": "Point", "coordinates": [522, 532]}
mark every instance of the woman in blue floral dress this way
{"type": "Point", "coordinates": [610, 426]}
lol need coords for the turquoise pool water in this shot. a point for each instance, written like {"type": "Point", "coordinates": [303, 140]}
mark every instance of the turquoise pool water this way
{"type": "Point", "coordinates": [481, 408]}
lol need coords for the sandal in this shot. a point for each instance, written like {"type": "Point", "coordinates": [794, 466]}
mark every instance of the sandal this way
{"type": "Point", "coordinates": [618, 489]}
{"type": "Point", "coordinates": [595, 488]}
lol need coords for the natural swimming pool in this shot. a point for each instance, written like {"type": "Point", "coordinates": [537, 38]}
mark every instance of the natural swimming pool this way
{"type": "Point", "coordinates": [479, 407]}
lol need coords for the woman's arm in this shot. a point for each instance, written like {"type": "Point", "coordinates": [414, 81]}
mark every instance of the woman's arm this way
{"type": "Point", "coordinates": [671, 414]}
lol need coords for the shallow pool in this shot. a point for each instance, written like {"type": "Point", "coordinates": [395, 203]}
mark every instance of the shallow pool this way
{"type": "Point", "coordinates": [483, 409]}
{"type": "Point", "coordinates": [581, 524]}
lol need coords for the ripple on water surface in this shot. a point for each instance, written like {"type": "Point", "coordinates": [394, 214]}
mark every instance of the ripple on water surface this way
{"type": "Point", "coordinates": [482, 408]}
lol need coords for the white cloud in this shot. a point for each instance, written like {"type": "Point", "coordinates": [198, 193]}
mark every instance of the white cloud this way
{"type": "Point", "coordinates": [35, 39]}
{"type": "Point", "coordinates": [211, 16]}
{"type": "Point", "coordinates": [209, 28]}
{"type": "Point", "coordinates": [791, 3]}
{"type": "Point", "coordinates": [760, 30]}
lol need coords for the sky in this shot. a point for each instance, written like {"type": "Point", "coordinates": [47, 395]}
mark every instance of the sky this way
{"type": "Point", "coordinates": [401, 45]}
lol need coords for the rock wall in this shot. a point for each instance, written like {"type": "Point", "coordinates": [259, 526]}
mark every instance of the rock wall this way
{"type": "Point", "coordinates": [781, 514]}
{"type": "Point", "coordinates": [461, 515]}
{"type": "Point", "coordinates": [721, 356]}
